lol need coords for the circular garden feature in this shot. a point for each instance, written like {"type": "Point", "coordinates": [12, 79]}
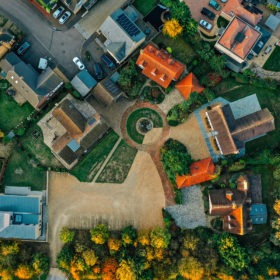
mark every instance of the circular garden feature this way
{"type": "Point", "coordinates": [141, 121]}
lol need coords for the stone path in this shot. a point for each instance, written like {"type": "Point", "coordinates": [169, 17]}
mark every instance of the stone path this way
{"type": "Point", "coordinates": [191, 213]}
{"type": "Point", "coordinates": [107, 159]}
{"type": "Point", "coordinates": [171, 99]}
{"type": "Point", "coordinates": [264, 74]}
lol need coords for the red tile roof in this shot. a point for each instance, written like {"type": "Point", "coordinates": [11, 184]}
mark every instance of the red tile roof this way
{"type": "Point", "coordinates": [236, 27]}
{"type": "Point", "coordinates": [235, 8]}
{"type": "Point", "coordinates": [188, 85]}
{"type": "Point", "coordinates": [159, 66]}
{"type": "Point", "coordinates": [200, 171]}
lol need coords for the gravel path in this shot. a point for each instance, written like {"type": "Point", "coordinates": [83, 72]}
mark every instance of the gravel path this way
{"type": "Point", "coordinates": [170, 100]}
{"type": "Point", "coordinates": [191, 213]}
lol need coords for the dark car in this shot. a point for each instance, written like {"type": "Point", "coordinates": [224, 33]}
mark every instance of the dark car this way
{"type": "Point", "coordinates": [108, 61]}
{"type": "Point", "coordinates": [208, 13]}
{"type": "Point", "coordinates": [98, 71]}
{"type": "Point", "coordinates": [23, 48]}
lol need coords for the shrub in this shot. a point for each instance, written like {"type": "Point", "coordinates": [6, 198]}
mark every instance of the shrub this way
{"type": "Point", "coordinates": [143, 237]}
{"type": "Point", "coordinates": [238, 165]}
{"type": "Point", "coordinates": [114, 244]}
{"type": "Point", "coordinates": [191, 268]}
{"type": "Point", "coordinates": [276, 173]}
{"type": "Point", "coordinates": [40, 263]}
{"type": "Point", "coordinates": [89, 257]}
{"type": "Point", "coordinates": [24, 271]}
{"type": "Point", "coordinates": [126, 270]}
{"type": "Point", "coordinates": [66, 235]}
{"type": "Point", "coordinates": [129, 235]}
{"type": "Point", "coordinates": [68, 85]}
{"type": "Point", "coordinates": [172, 28]}
{"type": "Point", "coordinates": [100, 234]}
{"type": "Point", "coordinates": [76, 94]}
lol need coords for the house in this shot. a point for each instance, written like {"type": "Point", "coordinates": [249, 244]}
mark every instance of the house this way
{"type": "Point", "coordinates": [21, 213]}
{"type": "Point", "coordinates": [231, 131]}
{"type": "Point", "coordinates": [74, 5]}
{"type": "Point", "coordinates": [71, 129]}
{"type": "Point", "coordinates": [83, 82]}
{"type": "Point", "coordinates": [200, 171]}
{"type": "Point", "coordinates": [248, 13]}
{"type": "Point", "coordinates": [7, 41]}
{"type": "Point", "coordinates": [106, 92]}
{"type": "Point", "coordinates": [36, 88]}
{"type": "Point", "coordinates": [159, 66]}
{"type": "Point", "coordinates": [188, 85]}
{"type": "Point", "coordinates": [119, 35]}
{"type": "Point", "coordinates": [238, 40]}
{"type": "Point", "coordinates": [240, 208]}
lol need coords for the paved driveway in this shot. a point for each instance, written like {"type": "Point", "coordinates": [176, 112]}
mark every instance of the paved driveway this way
{"type": "Point", "coordinates": [138, 201]}
{"type": "Point", "coordinates": [61, 45]}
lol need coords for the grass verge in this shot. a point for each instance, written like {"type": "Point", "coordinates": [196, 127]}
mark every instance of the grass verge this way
{"type": "Point", "coordinates": [135, 116]}
{"type": "Point", "coordinates": [273, 62]}
{"type": "Point", "coordinates": [119, 165]}
{"type": "Point", "coordinates": [87, 168]}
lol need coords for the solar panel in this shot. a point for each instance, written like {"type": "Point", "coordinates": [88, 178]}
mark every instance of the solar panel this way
{"type": "Point", "coordinates": [92, 121]}
{"type": "Point", "coordinates": [127, 25]}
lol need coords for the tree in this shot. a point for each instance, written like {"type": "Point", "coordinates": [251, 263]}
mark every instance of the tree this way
{"type": "Point", "coordinates": [276, 173]}
{"type": "Point", "coordinates": [276, 206]}
{"type": "Point", "coordinates": [217, 63]}
{"type": "Point", "coordinates": [66, 235]}
{"type": "Point", "coordinates": [114, 244]}
{"type": "Point", "coordinates": [126, 270]}
{"type": "Point", "coordinates": [109, 269]}
{"type": "Point", "coordinates": [190, 268]}
{"type": "Point", "coordinates": [9, 248]}
{"type": "Point", "coordinates": [160, 238]}
{"type": "Point", "coordinates": [128, 74]}
{"type": "Point", "coordinates": [100, 234]}
{"type": "Point", "coordinates": [209, 94]}
{"type": "Point", "coordinates": [172, 28]}
{"type": "Point", "coordinates": [6, 274]}
{"type": "Point", "coordinates": [40, 263]}
{"type": "Point", "coordinates": [143, 237]}
{"type": "Point", "coordinates": [129, 234]}
{"type": "Point", "coordinates": [24, 271]}
{"type": "Point", "coordinates": [191, 28]}
{"type": "Point", "coordinates": [89, 257]}
{"type": "Point", "coordinates": [205, 51]}
{"type": "Point", "coordinates": [190, 242]}
{"type": "Point", "coordinates": [231, 253]}
{"type": "Point", "coordinates": [64, 258]}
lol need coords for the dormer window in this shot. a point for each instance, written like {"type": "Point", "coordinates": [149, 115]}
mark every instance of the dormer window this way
{"type": "Point", "coordinates": [154, 72]}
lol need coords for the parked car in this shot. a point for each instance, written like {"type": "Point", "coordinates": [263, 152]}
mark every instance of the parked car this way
{"type": "Point", "coordinates": [65, 17]}
{"type": "Point", "coordinates": [205, 24]}
{"type": "Point", "coordinates": [98, 71]}
{"type": "Point", "coordinates": [23, 48]}
{"type": "Point", "coordinates": [208, 13]}
{"type": "Point", "coordinates": [58, 12]}
{"type": "Point", "coordinates": [53, 6]}
{"type": "Point", "coordinates": [224, 1]}
{"type": "Point", "coordinates": [214, 5]}
{"type": "Point", "coordinates": [108, 61]}
{"type": "Point", "coordinates": [79, 63]}
{"type": "Point", "coordinates": [268, 49]}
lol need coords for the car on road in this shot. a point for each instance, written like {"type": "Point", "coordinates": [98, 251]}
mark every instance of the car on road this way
{"type": "Point", "coordinates": [98, 71]}
{"type": "Point", "coordinates": [23, 48]}
{"type": "Point", "coordinates": [65, 17]}
{"type": "Point", "coordinates": [205, 24]}
{"type": "Point", "coordinates": [208, 13]}
{"type": "Point", "coordinates": [79, 63]}
{"type": "Point", "coordinates": [214, 5]}
{"type": "Point", "coordinates": [108, 61]}
{"type": "Point", "coordinates": [58, 12]}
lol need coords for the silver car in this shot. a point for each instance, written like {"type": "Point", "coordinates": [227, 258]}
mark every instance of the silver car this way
{"type": "Point", "coordinates": [65, 17]}
{"type": "Point", "coordinates": [205, 24]}
{"type": "Point", "coordinates": [58, 12]}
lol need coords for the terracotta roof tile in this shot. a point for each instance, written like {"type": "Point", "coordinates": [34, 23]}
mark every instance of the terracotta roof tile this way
{"type": "Point", "coordinates": [200, 171]}
{"type": "Point", "coordinates": [159, 66]}
{"type": "Point", "coordinates": [188, 85]}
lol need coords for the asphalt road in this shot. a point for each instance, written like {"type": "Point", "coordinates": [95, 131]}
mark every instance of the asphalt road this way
{"type": "Point", "coordinates": [46, 40]}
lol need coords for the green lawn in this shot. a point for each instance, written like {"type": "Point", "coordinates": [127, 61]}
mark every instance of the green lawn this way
{"type": "Point", "coordinates": [87, 168]}
{"type": "Point", "coordinates": [144, 6]}
{"type": "Point", "coordinates": [34, 144]}
{"type": "Point", "coordinates": [11, 113]}
{"type": "Point", "coordinates": [138, 114]}
{"type": "Point", "coordinates": [273, 62]}
{"type": "Point", "coordinates": [119, 165]}
{"type": "Point", "coordinates": [21, 171]}
{"type": "Point", "coordinates": [181, 49]}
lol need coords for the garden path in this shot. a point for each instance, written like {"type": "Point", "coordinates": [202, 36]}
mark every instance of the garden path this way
{"type": "Point", "coordinates": [171, 99]}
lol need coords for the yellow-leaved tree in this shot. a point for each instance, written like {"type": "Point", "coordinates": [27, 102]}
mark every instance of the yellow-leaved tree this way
{"type": "Point", "coordinates": [172, 28]}
{"type": "Point", "coordinates": [126, 271]}
{"type": "Point", "coordinates": [89, 257]}
{"type": "Point", "coordinates": [114, 244]}
{"type": "Point", "coordinates": [24, 271]}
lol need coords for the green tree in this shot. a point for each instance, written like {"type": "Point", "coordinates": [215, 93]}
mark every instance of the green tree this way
{"type": "Point", "coordinates": [160, 238]}
{"type": "Point", "coordinates": [205, 51]}
{"type": "Point", "coordinates": [126, 270]}
{"type": "Point", "coordinates": [66, 235]}
{"type": "Point", "coordinates": [191, 268]}
{"type": "Point", "coordinates": [276, 173]}
{"type": "Point", "coordinates": [64, 258]}
{"type": "Point", "coordinates": [100, 234]}
{"type": "Point", "coordinates": [191, 28]}
{"type": "Point", "coordinates": [129, 235]}
{"type": "Point", "coordinates": [128, 74]}
{"type": "Point", "coordinates": [40, 263]}
{"type": "Point", "coordinates": [217, 63]}
{"type": "Point", "coordinates": [90, 257]}
{"type": "Point", "coordinates": [209, 94]}
{"type": "Point", "coordinates": [231, 253]}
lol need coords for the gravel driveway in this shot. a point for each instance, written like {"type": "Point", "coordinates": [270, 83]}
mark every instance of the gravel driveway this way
{"type": "Point", "coordinates": [191, 213]}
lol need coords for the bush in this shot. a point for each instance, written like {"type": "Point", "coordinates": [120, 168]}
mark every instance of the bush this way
{"type": "Point", "coordinates": [66, 235]}
{"type": "Point", "coordinates": [129, 235]}
{"type": "Point", "coordinates": [160, 238]}
{"type": "Point", "coordinates": [68, 85]}
{"type": "Point", "coordinates": [238, 165]}
{"type": "Point", "coordinates": [100, 234]}
{"type": "Point", "coordinates": [76, 94]}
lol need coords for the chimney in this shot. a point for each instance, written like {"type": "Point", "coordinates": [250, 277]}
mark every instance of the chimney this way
{"type": "Point", "coordinates": [170, 61]}
{"type": "Point", "coordinates": [229, 195]}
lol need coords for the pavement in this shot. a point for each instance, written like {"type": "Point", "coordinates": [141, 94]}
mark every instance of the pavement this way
{"type": "Point", "coordinates": [45, 39]}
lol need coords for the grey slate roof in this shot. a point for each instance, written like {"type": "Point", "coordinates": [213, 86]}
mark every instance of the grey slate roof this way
{"type": "Point", "coordinates": [272, 22]}
{"type": "Point", "coordinates": [83, 82]}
